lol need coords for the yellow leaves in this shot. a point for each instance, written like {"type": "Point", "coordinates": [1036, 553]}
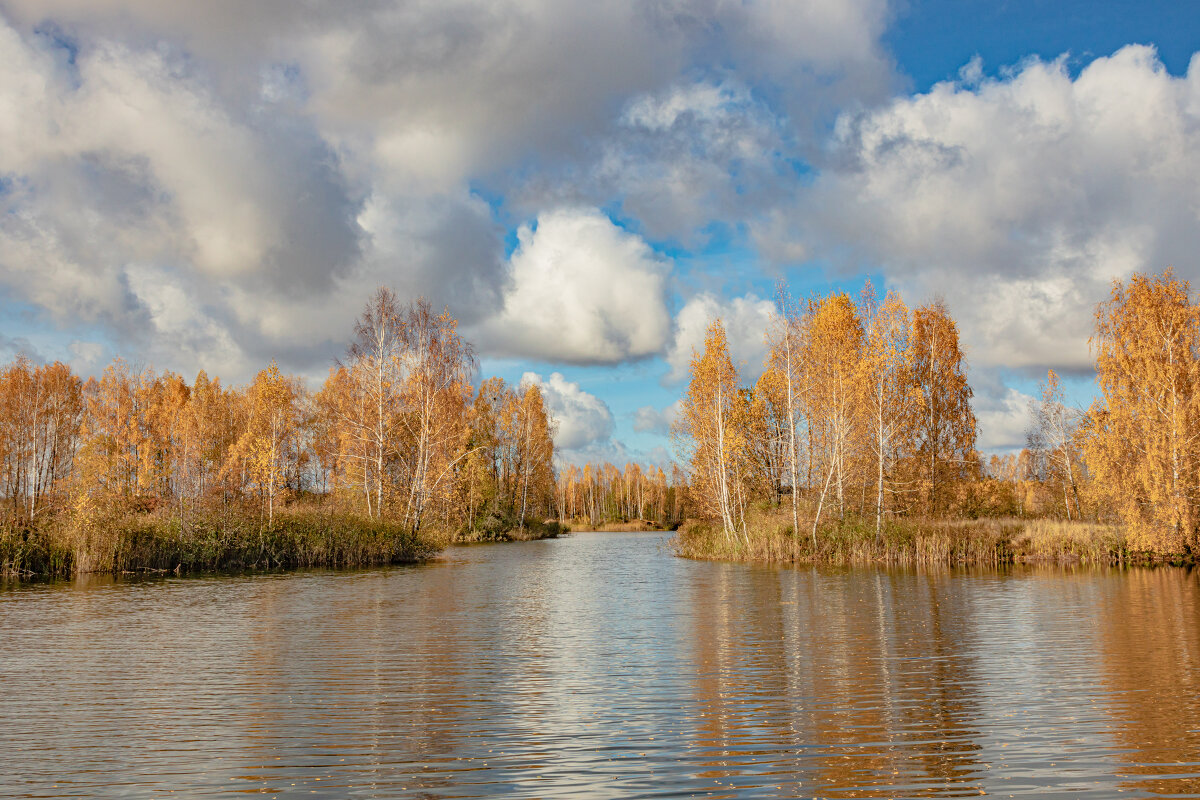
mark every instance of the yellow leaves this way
{"type": "Point", "coordinates": [946, 425]}
{"type": "Point", "coordinates": [861, 394]}
{"type": "Point", "coordinates": [39, 424]}
{"type": "Point", "coordinates": [713, 428]}
{"type": "Point", "coordinates": [1143, 437]}
{"type": "Point", "coordinates": [395, 427]}
{"type": "Point", "coordinates": [267, 445]}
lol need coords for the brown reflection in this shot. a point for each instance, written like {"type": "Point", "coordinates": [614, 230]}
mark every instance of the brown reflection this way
{"type": "Point", "coordinates": [1150, 635]}
{"type": "Point", "coordinates": [323, 703]}
{"type": "Point", "coordinates": [740, 653]}
{"type": "Point", "coordinates": [864, 680]}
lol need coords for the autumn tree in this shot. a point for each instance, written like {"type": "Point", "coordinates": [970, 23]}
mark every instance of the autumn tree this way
{"type": "Point", "coordinates": [787, 341]}
{"type": "Point", "coordinates": [1143, 432]}
{"type": "Point", "coordinates": [272, 425]}
{"type": "Point", "coordinates": [945, 428]}
{"type": "Point", "coordinates": [535, 449]}
{"type": "Point", "coordinates": [835, 347]}
{"type": "Point", "coordinates": [483, 443]}
{"type": "Point", "coordinates": [770, 431]}
{"type": "Point", "coordinates": [111, 434]}
{"type": "Point", "coordinates": [888, 388]}
{"type": "Point", "coordinates": [1055, 435]}
{"type": "Point", "coordinates": [436, 365]}
{"type": "Point", "coordinates": [375, 367]}
{"type": "Point", "coordinates": [709, 430]}
{"type": "Point", "coordinates": [40, 415]}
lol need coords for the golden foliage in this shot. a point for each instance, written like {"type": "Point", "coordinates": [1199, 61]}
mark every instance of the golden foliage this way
{"type": "Point", "coordinates": [1143, 434]}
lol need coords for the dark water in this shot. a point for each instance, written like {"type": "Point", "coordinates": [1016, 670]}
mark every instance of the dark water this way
{"type": "Point", "coordinates": [599, 666]}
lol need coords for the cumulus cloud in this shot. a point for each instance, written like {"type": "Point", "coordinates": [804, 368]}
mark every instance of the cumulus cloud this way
{"type": "Point", "coordinates": [14, 346]}
{"type": "Point", "coordinates": [87, 357]}
{"type": "Point", "coordinates": [1003, 416]}
{"type": "Point", "coordinates": [678, 158]}
{"type": "Point", "coordinates": [434, 93]}
{"type": "Point", "coordinates": [276, 163]}
{"type": "Point", "coordinates": [649, 419]}
{"type": "Point", "coordinates": [1019, 197]}
{"type": "Point", "coordinates": [582, 291]}
{"type": "Point", "coordinates": [583, 420]}
{"type": "Point", "coordinates": [746, 320]}
{"type": "Point", "coordinates": [126, 177]}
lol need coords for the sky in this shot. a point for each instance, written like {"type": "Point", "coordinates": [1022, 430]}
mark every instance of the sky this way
{"type": "Point", "coordinates": [584, 185]}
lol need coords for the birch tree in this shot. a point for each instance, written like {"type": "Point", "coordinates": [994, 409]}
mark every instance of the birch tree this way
{"type": "Point", "coordinates": [786, 338]}
{"type": "Point", "coordinates": [889, 388]}
{"type": "Point", "coordinates": [1143, 433]}
{"type": "Point", "coordinates": [708, 429]}
{"type": "Point", "coordinates": [945, 440]}
{"type": "Point", "coordinates": [833, 355]}
{"type": "Point", "coordinates": [1055, 434]}
{"type": "Point", "coordinates": [436, 367]}
{"type": "Point", "coordinates": [375, 362]}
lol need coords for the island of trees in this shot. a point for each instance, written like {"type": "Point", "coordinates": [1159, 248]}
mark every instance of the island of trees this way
{"type": "Point", "coordinates": [395, 456]}
{"type": "Point", "coordinates": [857, 443]}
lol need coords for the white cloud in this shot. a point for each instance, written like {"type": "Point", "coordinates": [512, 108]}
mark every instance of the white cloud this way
{"type": "Point", "coordinates": [437, 92]}
{"type": "Point", "coordinates": [128, 181]}
{"type": "Point", "coordinates": [87, 358]}
{"type": "Point", "coordinates": [583, 291]}
{"type": "Point", "coordinates": [649, 419]}
{"type": "Point", "coordinates": [694, 152]}
{"type": "Point", "coordinates": [1003, 418]}
{"type": "Point", "coordinates": [1020, 198]}
{"type": "Point", "coordinates": [583, 419]}
{"type": "Point", "coordinates": [746, 320]}
{"type": "Point", "coordinates": [277, 162]}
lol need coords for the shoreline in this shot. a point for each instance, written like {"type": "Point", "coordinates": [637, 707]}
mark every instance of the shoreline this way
{"type": "Point", "coordinates": [916, 542]}
{"type": "Point", "coordinates": [213, 543]}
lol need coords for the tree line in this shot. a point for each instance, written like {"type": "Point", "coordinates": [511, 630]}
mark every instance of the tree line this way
{"type": "Point", "coordinates": [862, 416]}
{"type": "Point", "coordinates": [598, 494]}
{"type": "Point", "coordinates": [396, 435]}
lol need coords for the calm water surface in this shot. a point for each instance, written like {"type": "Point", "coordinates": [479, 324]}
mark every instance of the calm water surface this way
{"type": "Point", "coordinates": [600, 666]}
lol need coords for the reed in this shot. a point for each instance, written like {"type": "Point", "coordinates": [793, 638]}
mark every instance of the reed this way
{"type": "Point", "coordinates": [768, 538]}
{"type": "Point", "coordinates": [300, 536]}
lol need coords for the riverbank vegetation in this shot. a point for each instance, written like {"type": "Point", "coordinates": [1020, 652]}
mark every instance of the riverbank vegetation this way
{"type": "Point", "coordinates": [857, 443]}
{"type": "Point", "coordinates": [391, 459]}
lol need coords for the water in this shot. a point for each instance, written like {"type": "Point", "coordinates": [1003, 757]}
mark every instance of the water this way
{"type": "Point", "coordinates": [600, 666]}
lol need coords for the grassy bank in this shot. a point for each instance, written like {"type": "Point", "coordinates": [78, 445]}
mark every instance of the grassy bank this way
{"type": "Point", "coordinates": [583, 524]}
{"type": "Point", "coordinates": [235, 538]}
{"type": "Point", "coordinates": [916, 542]}
{"type": "Point", "coordinates": [302, 536]}
{"type": "Point", "coordinates": [501, 530]}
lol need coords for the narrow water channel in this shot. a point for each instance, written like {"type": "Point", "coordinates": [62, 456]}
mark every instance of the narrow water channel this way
{"type": "Point", "coordinates": [598, 665]}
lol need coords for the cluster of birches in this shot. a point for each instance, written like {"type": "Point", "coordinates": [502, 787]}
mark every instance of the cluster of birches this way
{"type": "Point", "coordinates": [396, 432]}
{"type": "Point", "coordinates": [598, 493]}
{"type": "Point", "coordinates": [863, 409]}
{"type": "Point", "coordinates": [863, 405]}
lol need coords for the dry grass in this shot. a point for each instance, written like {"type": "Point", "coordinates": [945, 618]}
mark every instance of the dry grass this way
{"type": "Point", "coordinates": [625, 527]}
{"type": "Point", "coordinates": [302, 536]}
{"type": "Point", "coordinates": [1062, 541]}
{"type": "Point", "coordinates": [915, 542]}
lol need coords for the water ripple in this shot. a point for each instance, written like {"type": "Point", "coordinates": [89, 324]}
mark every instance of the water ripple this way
{"type": "Point", "coordinates": [598, 666]}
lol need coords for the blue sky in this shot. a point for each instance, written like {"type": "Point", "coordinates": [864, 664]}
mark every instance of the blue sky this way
{"type": "Point", "coordinates": [196, 186]}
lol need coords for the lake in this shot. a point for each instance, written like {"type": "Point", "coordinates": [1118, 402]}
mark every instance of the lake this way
{"type": "Point", "coordinates": [599, 665]}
